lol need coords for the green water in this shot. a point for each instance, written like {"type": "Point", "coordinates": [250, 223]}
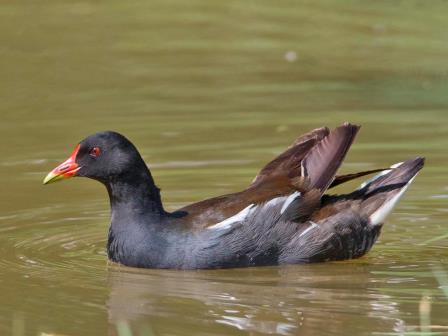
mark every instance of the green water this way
{"type": "Point", "coordinates": [209, 91]}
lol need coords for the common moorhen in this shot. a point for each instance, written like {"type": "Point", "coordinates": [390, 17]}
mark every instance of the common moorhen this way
{"type": "Point", "coordinates": [282, 217]}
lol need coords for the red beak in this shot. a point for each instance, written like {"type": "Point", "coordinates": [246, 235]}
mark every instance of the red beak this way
{"type": "Point", "coordinates": [65, 170]}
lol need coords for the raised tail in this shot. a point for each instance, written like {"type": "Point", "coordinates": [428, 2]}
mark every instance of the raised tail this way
{"type": "Point", "coordinates": [384, 190]}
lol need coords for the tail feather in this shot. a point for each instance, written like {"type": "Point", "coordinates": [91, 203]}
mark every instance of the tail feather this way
{"type": "Point", "coordinates": [339, 179]}
{"type": "Point", "coordinates": [324, 159]}
{"type": "Point", "coordinates": [382, 193]}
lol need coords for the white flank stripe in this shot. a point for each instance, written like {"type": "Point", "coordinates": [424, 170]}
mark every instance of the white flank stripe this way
{"type": "Point", "coordinates": [377, 176]}
{"type": "Point", "coordinates": [276, 201]}
{"type": "Point", "coordinates": [383, 211]}
{"type": "Point", "coordinates": [239, 217]}
{"type": "Point", "coordinates": [313, 226]}
{"type": "Point", "coordinates": [288, 201]}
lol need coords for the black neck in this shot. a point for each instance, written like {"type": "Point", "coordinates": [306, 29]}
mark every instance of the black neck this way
{"type": "Point", "coordinates": [136, 209]}
{"type": "Point", "coordinates": [134, 193]}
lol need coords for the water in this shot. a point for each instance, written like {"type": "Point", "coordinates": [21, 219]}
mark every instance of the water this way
{"type": "Point", "coordinates": [209, 92]}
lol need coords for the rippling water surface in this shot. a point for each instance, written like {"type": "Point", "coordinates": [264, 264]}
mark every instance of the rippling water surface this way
{"type": "Point", "coordinates": [210, 92]}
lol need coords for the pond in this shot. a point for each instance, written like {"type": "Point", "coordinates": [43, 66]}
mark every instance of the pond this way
{"type": "Point", "coordinates": [209, 92]}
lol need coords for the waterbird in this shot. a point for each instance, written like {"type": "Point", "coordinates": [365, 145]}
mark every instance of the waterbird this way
{"type": "Point", "coordinates": [284, 216]}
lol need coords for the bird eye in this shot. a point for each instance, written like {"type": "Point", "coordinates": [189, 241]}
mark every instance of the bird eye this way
{"type": "Point", "coordinates": [95, 152]}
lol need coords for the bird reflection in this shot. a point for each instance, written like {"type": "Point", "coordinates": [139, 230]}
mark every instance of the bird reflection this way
{"type": "Point", "coordinates": [299, 299]}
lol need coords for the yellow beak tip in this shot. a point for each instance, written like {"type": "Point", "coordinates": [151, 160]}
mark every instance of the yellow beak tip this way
{"type": "Point", "coordinates": [51, 177]}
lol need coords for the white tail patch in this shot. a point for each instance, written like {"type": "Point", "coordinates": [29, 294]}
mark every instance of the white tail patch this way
{"type": "Point", "coordinates": [239, 217]}
{"type": "Point", "coordinates": [377, 176]}
{"type": "Point", "coordinates": [289, 200]}
{"type": "Point", "coordinates": [383, 211]}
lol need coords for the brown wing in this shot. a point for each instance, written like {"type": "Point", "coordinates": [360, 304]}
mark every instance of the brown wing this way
{"type": "Point", "coordinates": [288, 163]}
{"type": "Point", "coordinates": [279, 177]}
{"type": "Point", "coordinates": [319, 150]}
{"type": "Point", "coordinates": [323, 160]}
{"type": "Point", "coordinates": [214, 210]}
{"type": "Point", "coordinates": [319, 168]}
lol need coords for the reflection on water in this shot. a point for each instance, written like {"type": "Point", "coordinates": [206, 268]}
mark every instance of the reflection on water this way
{"type": "Point", "coordinates": [209, 92]}
{"type": "Point", "coordinates": [290, 300]}
{"type": "Point", "coordinates": [281, 301]}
